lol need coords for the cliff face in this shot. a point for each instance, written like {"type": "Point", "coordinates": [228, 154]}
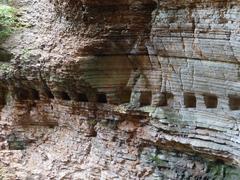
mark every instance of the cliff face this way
{"type": "Point", "coordinates": [122, 90]}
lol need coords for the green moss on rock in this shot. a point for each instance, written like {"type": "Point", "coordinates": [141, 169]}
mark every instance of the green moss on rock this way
{"type": "Point", "coordinates": [8, 21]}
{"type": "Point", "coordinates": [5, 56]}
{"type": "Point", "coordinates": [218, 170]}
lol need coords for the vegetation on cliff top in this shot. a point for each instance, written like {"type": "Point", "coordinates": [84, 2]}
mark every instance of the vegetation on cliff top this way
{"type": "Point", "coordinates": [8, 21]}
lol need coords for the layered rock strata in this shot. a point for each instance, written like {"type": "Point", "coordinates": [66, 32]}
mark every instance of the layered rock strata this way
{"type": "Point", "coordinates": [122, 90]}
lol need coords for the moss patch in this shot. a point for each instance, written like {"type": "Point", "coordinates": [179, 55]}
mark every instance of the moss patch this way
{"type": "Point", "coordinates": [156, 160]}
{"type": "Point", "coordinates": [218, 170]}
{"type": "Point", "coordinates": [8, 21]}
{"type": "Point", "coordinates": [5, 56]}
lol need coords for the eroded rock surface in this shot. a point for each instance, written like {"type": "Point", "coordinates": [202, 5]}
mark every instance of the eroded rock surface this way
{"type": "Point", "coordinates": [122, 90]}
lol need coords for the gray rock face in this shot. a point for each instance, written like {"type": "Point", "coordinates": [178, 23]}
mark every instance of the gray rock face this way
{"type": "Point", "coordinates": [122, 90]}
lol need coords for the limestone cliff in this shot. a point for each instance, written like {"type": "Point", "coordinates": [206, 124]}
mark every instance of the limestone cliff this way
{"type": "Point", "coordinates": [124, 89]}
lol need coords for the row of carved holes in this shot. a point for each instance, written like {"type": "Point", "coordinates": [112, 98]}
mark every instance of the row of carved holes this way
{"type": "Point", "coordinates": [211, 101]}
{"type": "Point", "coordinates": [146, 98]}
{"type": "Point", "coordinates": [81, 97]}
{"type": "Point", "coordinates": [34, 95]}
{"type": "Point", "coordinates": [190, 101]}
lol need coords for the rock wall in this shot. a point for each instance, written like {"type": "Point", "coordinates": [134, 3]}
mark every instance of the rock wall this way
{"type": "Point", "coordinates": [122, 90]}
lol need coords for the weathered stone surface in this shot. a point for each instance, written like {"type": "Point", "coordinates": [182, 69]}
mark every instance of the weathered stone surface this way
{"type": "Point", "coordinates": [122, 90]}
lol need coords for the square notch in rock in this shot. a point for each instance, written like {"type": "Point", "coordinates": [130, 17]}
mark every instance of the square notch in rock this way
{"type": "Point", "coordinates": [82, 97]}
{"type": "Point", "coordinates": [146, 98]}
{"type": "Point", "coordinates": [101, 98]}
{"type": "Point", "coordinates": [210, 100]}
{"type": "Point", "coordinates": [190, 100]}
{"type": "Point", "coordinates": [234, 102]}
